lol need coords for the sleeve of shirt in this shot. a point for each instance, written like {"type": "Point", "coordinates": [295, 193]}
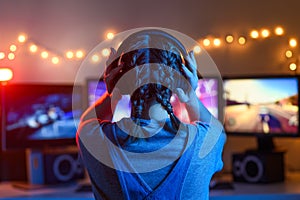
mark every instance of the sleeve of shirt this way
{"type": "Point", "coordinates": [213, 137]}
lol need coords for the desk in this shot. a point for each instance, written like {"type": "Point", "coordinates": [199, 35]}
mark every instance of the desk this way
{"type": "Point", "coordinates": [290, 190]}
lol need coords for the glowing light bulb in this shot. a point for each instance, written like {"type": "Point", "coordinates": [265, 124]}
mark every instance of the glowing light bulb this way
{"type": "Point", "coordinates": [95, 58]}
{"type": "Point", "coordinates": [265, 33]}
{"type": "Point", "coordinates": [11, 56]}
{"type": "Point", "coordinates": [55, 60]}
{"type": "Point", "coordinates": [33, 48]}
{"type": "Point", "coordinates": [197, 49]}
{"type": "Point", "coordinates": [293, 42]}
{"type": "Point", "coordinates": [22, 38]}
{"type": "Point", "coordinates": [206, 42]}
{"type": "Point", "coordinates": [79, 54]}
{"type": "Point", "coordinates": [105, 52]}
{"type": "Point", "coordinates": [69, 54]}
{"type": "Point", "coordinates": [229, 39]}
{"type": "Point", "coordinates": [13, 48]}
{"type": "Point", "coordinates": [242, 40]}
{"type": "Point", "coordinates": [279, 30]}
{"type": "Point", "coordinates": [110, 35]}
{"type": "Point", "coordinates": [6, 74]}
{"type": "Point", "coordinates": [2, 55]}
{"type": "Point", "coordinates": [44, 54]}
{"type": "Point", "coordinates": [217, 42]}
{"type": "Point", "coordinates": [288, 54]}
{"type": "Point", "coordinates": [293, 66]}
{"type": "Point", "coordinates": [254, 34]}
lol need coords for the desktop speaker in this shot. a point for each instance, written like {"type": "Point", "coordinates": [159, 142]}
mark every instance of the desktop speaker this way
{"type": "Point", "coordinates": [258, 167]}
{"type": "Point", "coordinates": [52, 167]}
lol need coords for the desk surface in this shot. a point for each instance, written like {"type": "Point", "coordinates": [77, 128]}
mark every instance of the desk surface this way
{"type": "Point", "coordinates": [289, 189]}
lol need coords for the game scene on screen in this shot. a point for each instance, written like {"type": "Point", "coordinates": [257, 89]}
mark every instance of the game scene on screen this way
{"type": "Point", "coordinates": [41, 114]}
{"type": "Point", "coordinates": [267, 106]}
{"type": "Point", "coordinates": [207, 92]}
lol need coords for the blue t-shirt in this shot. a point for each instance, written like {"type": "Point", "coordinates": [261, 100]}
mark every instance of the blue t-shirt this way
{"type": "Point", "coordinates": [151, 161]}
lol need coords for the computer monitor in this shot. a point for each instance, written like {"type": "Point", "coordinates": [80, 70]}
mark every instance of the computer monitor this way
{"type": "Point", "coordinates": [41, 115]}
{"type": "Point", "coordinates": [262, 106]}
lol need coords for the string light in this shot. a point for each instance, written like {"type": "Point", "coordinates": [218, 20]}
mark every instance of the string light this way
{"type": "Point", "coordinates": [79, 54]}
{"type": "Point", "coordinates": [293, 66]}
{"type": "Point", "coordinates": [197, 49]}
{"type": "Point", "coordinates": [206, 42]}
{"type": "Point", "coordinates": [293, 42]}
{"type": "Point", "coordinates": [105, 52]}
{"type": "Point", "coordinates": [13, 48]}
{"type": "Point", "coordinates": [33, 48]}
{"type": "Point", "coordinates": [95, 58]}
{"type": "Point", "coordinates": [288, 54]}
{"type": "Point", "coordinates": [279, 30]}
{"type": "Point", "coordinates": [229, 39]}
{"type": "Point", "coordinates": [254, 34]}
{"type": "Point", "coordinates": [55, 60]}
{"type": "Point", "coordinates": [44, 54]}
{"type": "Point", "coordinates": [110, 35]}
{"type": "Point", "coordinates": [2, 55]}
{"type": "Point", "coordinates": [11, 56]}
{"type": "Point", "coordinates": [242, 40]}
{"type": "Point", "coordinates": [265, 33]}
{"type": "Point", "coordinates": [22, 38]}
{"type": "Point", "coordinates": [217, 42]}
{"type": "Point", "coordinates": [69, 54]}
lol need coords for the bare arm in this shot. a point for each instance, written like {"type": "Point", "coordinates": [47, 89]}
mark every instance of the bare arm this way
{"type": "Point", "coordinates": [196, 110]}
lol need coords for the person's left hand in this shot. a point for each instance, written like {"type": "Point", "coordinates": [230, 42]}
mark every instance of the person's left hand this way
{"type": "Point", "coordinates": [190, 71]}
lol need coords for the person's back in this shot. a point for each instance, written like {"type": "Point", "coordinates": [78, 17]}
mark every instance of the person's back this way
{"type": "Point", "coordinates": [151, 155]}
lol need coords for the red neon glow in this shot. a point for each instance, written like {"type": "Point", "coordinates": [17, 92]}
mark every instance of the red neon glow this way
{"type": "Point", "coordinates": [6, 74]}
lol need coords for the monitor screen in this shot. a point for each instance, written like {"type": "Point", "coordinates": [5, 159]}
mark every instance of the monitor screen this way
{"type": "Point", "coordinates": [207, 92]}
{"type": "Point", "coordinates": [40, 115]}
{"type": "Point", "coordinates": [263, 106]}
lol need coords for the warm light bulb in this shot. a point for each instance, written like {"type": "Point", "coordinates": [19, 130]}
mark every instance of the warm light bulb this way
{"type": "Point", "coordinates": [6, 74]}
{"type": "Point", "coordinates": [55, 60]}
{"type": "Point", "coordinates": [105, 52]}
{"type": "Point", "coordinates": [13, 48]}
{"type": "Point", "coordinates": [79, 54]}
{"type": "Point", "coordinates": [2, 55]}
{"type": "Point", "coordinates": [11, 56]}
{"type": "Point", "coordinates": [33, 48]}
{"type": "Point", "coordinates": [293, 66]}
{"type": "Point", "coordinates": [217, 42]}
{"type": "Point", "coordinates": [242, 40]}
{"type": "Point", "coordinates": [110, 35]}
{"type": "Point", "coordinates": [288, 54]}
{"type": "Point", "coordinates": [293, 42]}
{"type": "Point", "coordinates": [69, 54]}
{"type": "Point", "coordinates": [279, 30]}
{"type": "Point", "coordinates": [229, 39]}
{"type": "Point", "coordinates": [22, 38]}
{"type": "Point", "coordinates": [254, 34]}
{"type": "Point", "coordinates": [206, 42]}
{"type": "Point", "coordinates": [95, 58]}
{"type": "Point", "coordinates": [44, 54]}
{"type": "Point", "coordinates": [265, 33]}
{"type": "Point", "coordinates": [197, 49]}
